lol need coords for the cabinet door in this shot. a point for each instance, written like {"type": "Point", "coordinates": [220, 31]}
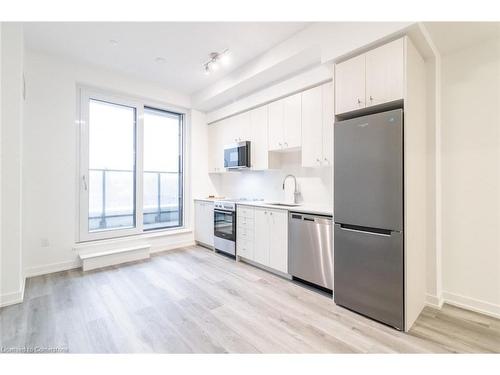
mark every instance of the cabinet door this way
{"type": "Point", "coordinates": [312, 127]}
{"type": "Point", "coordinates": [385, 73]}
{"type": "Point", "coordinates": [212, 148]}
{"type": "Point", "coordinates": [243, 126]}
{"type": "Point", "coordinates": [261, 237]}
{"type": "Point", "coordinates": [278, 240]}
{"type": "Point", "coordinates": [292, 121]}
{"type": "Point", "coordinates": [204, 222]}
{"type": "Point", "coordinates": [350, 85]}
{"type": "Point", "coordinates": [259, 146]}
{"type": "Point", "coordinates": [275, 125]}
{"type": "Point", "coordinates": [230, 132]}
{"type": "Point", "coordinates": [208, 211]}
{"type": "Point", "coordinates": [327, 120]}
{"type": "Point", "coordinates": [198, 221]}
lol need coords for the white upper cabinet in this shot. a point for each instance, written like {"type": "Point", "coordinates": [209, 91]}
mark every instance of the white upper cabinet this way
{"type": "Point", "coordinates": [317, 126]}
{"type": "Point", "coordinates": [285, 130]}
{"type": "Point", "coordinates": [385, 73]}
{"type": "Point", "coordinates": [275, 125]}
{"type": "Point", "coordinates": [216, 147]}
{"type": "Point", "coordinates": [350, 85]}
{"type": "Point", "coordinates": [292, 122]}
{"type": "Point", "coordinates": [312, 127]}
{"type": "Point", "coordinates": [375, 77]}
{"type": "Point", "coordinates": [328, 121]}
{"type": "Point", "coordinates": [259, 146]}
{"type": "Point", "coordinates": [241, 129]}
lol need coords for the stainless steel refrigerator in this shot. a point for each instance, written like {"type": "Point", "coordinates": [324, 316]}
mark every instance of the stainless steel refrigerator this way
{"type": "Point", "coordinates": [368, 212]}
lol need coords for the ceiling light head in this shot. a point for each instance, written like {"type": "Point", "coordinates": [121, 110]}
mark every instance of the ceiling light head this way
{"type": "Point", "coordinates": [214, 65]}
{"type": "Point", "coordinates": [214, 59]}
{"type": "Point", "coordinates": [225, 58]}
{"type": "Point", "coordinates": [160, 60]}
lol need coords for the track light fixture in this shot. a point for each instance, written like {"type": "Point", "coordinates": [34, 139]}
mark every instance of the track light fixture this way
{"type": "Point", "coordinates": [216, 58]}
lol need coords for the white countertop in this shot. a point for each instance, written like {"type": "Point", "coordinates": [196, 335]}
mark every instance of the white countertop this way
{"type": "Point", "coordinates": [208, 199]}
{"type": "Point", "coordinates": [304, 207]}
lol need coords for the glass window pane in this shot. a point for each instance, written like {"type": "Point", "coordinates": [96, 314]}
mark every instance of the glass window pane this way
{"type": "Point", "coordinates": [111, 166]}
{"type": "Point", "coordinates": [162, 169]}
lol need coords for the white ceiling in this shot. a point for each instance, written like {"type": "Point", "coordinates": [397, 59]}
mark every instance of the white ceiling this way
{"type": "Point", "coordinates": [184, 45]}
{"type": "Point", "coordinates": [452, 36]}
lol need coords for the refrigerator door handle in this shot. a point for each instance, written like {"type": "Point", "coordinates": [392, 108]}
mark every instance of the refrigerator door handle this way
{"type": "Point", "coordinates": [364, 230]}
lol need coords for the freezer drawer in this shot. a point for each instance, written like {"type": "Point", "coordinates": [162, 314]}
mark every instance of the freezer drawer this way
{"type": "Point", "coordinates": [310, 248]}
{"type": "Point", "coordinates": [369, 170]}
{"type": "Point", "coordinates": [369, 274]}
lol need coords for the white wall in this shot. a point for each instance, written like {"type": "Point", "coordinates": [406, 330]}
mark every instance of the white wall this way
{"type": "Point", "coordinates": [315, 184]}
{"type": "Point", "coordinates": [50, 156]}
{"type": "Point", "coordinates": [471, 176]}
{"type": "Point", "coordinates": [12, 51]}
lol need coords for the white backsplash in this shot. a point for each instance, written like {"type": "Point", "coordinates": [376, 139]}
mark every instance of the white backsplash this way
{"type": "Point", "coordinates": [315, 184]}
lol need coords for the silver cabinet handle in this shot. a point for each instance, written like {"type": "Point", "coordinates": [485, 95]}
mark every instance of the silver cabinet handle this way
{"type": "Point", "coordinates": [359, 101]}
{"type": "Point", "coordinates": [371, 98]}
{"type": "Point", "coordinates": [319, 161]}
{"type": "Point", "coordinates": [286, 144]}
{"type": "Point", "coordinates": [326, 160]}
{"type": "Point", "coordinates": [85, 183]}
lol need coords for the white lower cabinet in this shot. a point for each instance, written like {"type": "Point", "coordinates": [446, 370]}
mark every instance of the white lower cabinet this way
{"type": "Point", "coordinates": [204, 222]}
{"type": "Point", "coordinates": [262, 236]}
{"type": "Point", "coordinates": [278, 240]}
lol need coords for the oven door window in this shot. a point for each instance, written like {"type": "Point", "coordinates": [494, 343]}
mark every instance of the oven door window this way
{"type": "Point", "coordinates": [225, 225]}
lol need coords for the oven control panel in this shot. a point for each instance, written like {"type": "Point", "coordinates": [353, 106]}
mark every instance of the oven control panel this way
{"type": "Point", "coordinates": [227, 206]}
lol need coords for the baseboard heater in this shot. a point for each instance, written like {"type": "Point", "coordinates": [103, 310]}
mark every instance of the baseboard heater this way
{"type": "Point", "coordinates": [113, 257]}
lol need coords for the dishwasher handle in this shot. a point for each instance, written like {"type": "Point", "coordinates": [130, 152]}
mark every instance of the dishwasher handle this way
{"type": "Point", "coordinates": [311, 218]}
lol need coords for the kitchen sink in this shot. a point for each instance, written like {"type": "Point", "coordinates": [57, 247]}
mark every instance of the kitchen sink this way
{"type": "Point", "coordinates": [283, 204]}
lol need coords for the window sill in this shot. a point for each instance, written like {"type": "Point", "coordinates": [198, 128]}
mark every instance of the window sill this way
{"type": "Point", "coordinates": [135, 237]}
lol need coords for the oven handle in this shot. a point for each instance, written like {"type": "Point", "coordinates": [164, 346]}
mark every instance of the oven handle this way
{"type": "Point", "coordinates": [220, 210]}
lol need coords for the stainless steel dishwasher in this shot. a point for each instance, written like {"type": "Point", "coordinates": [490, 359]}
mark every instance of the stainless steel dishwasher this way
{"type": "Point", "coordinates": [310, 255]}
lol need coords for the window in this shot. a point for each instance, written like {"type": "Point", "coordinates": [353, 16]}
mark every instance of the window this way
{"type": "Point", "coordinates": [162, 206]}
{"type": "Point", "coordinates": [131, 166]}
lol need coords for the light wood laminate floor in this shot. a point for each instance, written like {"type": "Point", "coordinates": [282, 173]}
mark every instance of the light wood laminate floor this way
{"type": "Point", "coordinates": [192, 300]}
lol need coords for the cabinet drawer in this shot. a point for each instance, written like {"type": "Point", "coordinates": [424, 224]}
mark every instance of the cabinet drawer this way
{"type": "Point", "coordinates": [245, 249]}
{"type": "Point", "coordinates": [245, 221]}
{"type": "Point", "coordinates": [244, 233]}
{"type": "Point", "coordinates": [243, 211]}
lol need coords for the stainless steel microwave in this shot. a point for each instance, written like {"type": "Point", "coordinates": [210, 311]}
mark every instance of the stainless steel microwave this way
{"type": "Point", "coordinates": [237, 155]}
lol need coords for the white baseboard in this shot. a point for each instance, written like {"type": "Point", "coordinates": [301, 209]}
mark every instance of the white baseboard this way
{"type": "Point", "coordinates": [434, 301]}
{"type": "Point", "coordinates": [72, 264]}
{"type": "Point", "coordinates": [472, 304]}
{"type": "Point", "coordinates": [13, 298]}
{"type": "Point", "coordinates": [51, 268]}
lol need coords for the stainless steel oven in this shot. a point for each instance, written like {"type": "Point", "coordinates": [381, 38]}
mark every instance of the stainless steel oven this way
{"type": "Point", "coordinates": [225, 227]}
{"type": "Point", "coordinates": [237, 155]}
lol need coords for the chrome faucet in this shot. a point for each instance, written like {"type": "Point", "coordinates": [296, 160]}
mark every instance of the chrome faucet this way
{"type": "Point", "coordinates": [295, 190]}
